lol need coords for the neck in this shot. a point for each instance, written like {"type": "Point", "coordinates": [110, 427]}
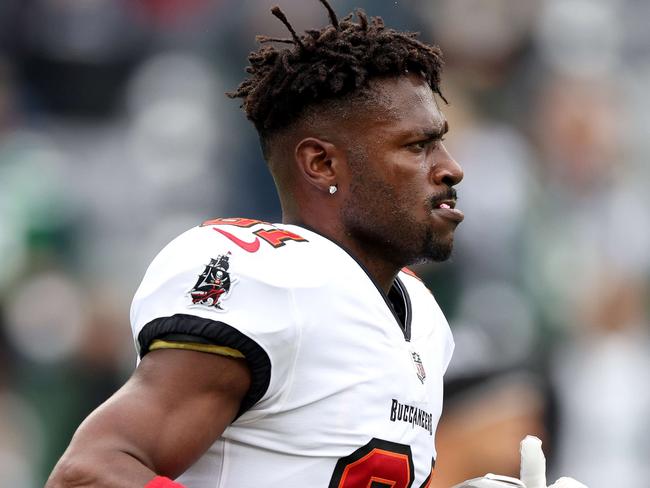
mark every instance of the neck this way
{"type": "Point", "coordinates": [381, 271]}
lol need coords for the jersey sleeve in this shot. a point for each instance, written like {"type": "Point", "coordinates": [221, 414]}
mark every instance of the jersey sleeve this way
{"type": "Point", "coordinates": [201, 292]}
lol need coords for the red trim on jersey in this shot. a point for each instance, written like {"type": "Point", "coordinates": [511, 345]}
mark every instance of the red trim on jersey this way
{"type": "Point", "coordinates": [410, 272]}
{"type": "Point", "coordinates": [278, 237]}
{"type": "Point", "coordinates": [163, 482]}
{"type": "Point", "coordinates": [236, 221]}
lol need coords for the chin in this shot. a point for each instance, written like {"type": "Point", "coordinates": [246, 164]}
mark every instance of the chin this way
{"type": "Point", "coordinates": [440, 255]}
{"type": "Point", "coordinates": [432, 251]}
{"type": "Point", "coordinates": [439, 250]}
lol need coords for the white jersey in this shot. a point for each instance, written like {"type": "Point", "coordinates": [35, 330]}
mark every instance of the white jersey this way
{"type": "Point", "coordinates": [347, 382]}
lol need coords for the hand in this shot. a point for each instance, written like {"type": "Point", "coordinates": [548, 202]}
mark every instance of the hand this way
{"type": "Point", "coordinates": [565, 482]}
{"type": "Point", "coordinates": [492, 481]}
{"type": "Point", "coordinates": [532, 474]}
{"type": "Point", "coordinates": [533, 467]}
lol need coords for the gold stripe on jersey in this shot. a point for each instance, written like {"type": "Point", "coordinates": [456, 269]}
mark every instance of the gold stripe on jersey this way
{"type": "Point", "coordinates": [194, 346]}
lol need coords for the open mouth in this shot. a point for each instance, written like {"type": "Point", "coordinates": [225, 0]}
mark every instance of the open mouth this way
{"type": "Point", "coordinates": [447, 208]}
{"type": "Point", "coordinates": [445, 200]}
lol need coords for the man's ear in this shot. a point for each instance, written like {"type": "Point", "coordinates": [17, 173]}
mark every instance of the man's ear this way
{"type": "Point", "coordinates": [319, 162]}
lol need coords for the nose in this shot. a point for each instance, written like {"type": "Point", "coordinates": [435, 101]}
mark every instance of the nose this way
{"type": "Point", "coordinates": [445, 170]}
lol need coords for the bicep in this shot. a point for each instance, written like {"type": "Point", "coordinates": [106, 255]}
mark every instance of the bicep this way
{"type": "Point", "coordinates": [176, 404]}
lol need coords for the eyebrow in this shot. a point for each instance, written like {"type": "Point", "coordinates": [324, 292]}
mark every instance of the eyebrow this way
{"type": "Point", "coordinates": [436, 133]}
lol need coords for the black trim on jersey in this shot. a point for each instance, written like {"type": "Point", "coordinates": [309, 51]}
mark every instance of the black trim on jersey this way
{"type": "Point", "coordinates": [403, 317]}
{"type": "Point", "coordinates": [220, 334]}
{"type": "Point", "coordinates": [428, 480]}
{"type": "Point", "coordinates": [185, 338]}
{"type": "Point", "coordinates": [401, 306]}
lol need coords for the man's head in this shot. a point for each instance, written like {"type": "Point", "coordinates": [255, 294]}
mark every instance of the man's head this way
{"type": "Point", "coordinates": [353, 106]}
{"type": "Point", "coordinates": [400, 197]}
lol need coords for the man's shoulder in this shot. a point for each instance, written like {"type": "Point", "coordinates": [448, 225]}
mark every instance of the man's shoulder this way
{"type": "Point", "coordinates": [253, 236]}
{"type": "Point", "coordinates": [278, 254]}
{"type": "Point", "coordinates": [239, 235]}
{"type": "Point", "coordinates": [226, 264]}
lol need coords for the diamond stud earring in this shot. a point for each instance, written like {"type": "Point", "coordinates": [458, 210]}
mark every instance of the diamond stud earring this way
{"type": "Point", "coordinates": [333, 189]}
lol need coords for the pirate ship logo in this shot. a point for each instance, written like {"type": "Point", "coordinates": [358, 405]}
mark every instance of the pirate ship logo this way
{"type": "Point", "coordinates": [419, 367]}
{"type": "Point", "coordinates": [213, 284]}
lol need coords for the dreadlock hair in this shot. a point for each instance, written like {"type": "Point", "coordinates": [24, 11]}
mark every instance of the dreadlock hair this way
{"type": "Point", "coordinates": [328, 64]}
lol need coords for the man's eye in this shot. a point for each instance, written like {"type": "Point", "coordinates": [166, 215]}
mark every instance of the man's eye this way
{"type": "Point", "coordinates": [422, 145]}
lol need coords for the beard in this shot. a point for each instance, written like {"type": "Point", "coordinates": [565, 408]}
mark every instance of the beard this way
{"type": "Point", "coordinates": [434, 249]}
{"type": "Point", "coordinates": [385, 223]}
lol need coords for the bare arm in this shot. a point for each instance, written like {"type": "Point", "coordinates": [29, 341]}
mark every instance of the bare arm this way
{"type": "Point", "coordinates": [171, 410]}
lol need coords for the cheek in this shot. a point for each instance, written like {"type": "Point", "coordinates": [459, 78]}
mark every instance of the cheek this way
{"type": "Point", "coordinates": [414, 185]}
{"type": "Point", "coordinates": [396, 181]}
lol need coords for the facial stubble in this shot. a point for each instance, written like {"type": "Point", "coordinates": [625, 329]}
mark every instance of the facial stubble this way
{"type": "Point", "coordinates": [386, 224]}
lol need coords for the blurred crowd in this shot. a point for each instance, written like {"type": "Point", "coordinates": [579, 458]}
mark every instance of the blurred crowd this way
{"type": "Point", "coordinates": [115, 136]}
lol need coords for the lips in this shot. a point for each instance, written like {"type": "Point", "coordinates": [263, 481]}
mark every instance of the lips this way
{"type": "Point", "coordinates": [445, 200]}
{"type": "Point", "coordinates": [446, 207]}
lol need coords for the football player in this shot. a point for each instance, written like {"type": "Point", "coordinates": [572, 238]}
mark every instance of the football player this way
{"type": "Point", "coordinates": [300, 353]}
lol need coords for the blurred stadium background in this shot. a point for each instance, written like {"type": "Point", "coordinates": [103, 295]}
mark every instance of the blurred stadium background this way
{"type": "Point", "coordinates": [115, 136]}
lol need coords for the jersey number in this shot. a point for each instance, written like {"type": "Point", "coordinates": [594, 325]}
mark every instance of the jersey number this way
{"type": "Point", "coordinates": [378, 464]}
